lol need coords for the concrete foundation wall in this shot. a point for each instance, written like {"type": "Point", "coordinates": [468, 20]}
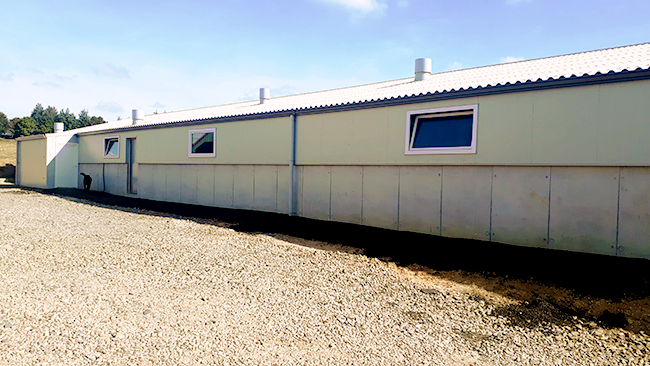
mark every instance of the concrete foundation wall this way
{"type": "Point", "coordinates": [602, 210]}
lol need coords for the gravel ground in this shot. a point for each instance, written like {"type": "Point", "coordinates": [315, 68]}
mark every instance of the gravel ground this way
{"type": "Point", "coordinates": [83, 283]}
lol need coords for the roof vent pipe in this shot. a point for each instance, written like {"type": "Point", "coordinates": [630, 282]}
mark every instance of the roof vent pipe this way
{"type": "Point", "coordinates": [422, 69]}
{"type": "Point", "coordinates": [137, 115]}
{"type": "Point", "coordinates": [58, 127]}
{"type": "Point", "coordinates": [265, 95]}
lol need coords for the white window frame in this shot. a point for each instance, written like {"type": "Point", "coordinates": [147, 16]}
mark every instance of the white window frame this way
{"type": "Point", "coordinates": [107, 156]}
{"type": "Point", "coordinates": [442, 112]}
{"type": "Point", "coordinates": [202, 155]}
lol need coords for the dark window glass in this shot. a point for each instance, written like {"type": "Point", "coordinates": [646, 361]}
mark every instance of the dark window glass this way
{"type": "Point", "coordinates": [111, 147]}
{"type": "Point", "coordinates": [450, 131]}
{"type": "Point", "coordinates": [203, 143]}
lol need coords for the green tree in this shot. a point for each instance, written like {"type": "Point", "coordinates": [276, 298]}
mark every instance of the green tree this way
{"type": "Point", "coordinates": [24, 126]}
{"type": "Point", "coordinates": [68, 119]}
{"type": "Point", "coordinates": [84, 118]}
{"type": "Point", "coordinates": [6, 129]}
{"type": "Point", "coordinates": [96, 120]}
{"type": "Point", "coordinates": [44, 118]}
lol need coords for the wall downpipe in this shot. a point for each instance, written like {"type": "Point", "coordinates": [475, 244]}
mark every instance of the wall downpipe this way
{"type": "Point", "coordinates": [292, 164]}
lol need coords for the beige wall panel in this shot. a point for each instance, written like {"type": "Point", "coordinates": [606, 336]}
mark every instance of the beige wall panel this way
{"type": "Point", "coordinates": [419, 199]}
{"type": "Point", "coordinates": [266, 141]}
{"type": "Point", "coordinates": [505, 129]}
{"type": "Point", "coordinates": [244, 186]}
{"type": "Point", "coordinates": [337, 138]}
{"type": "Point", "coordinates": [266, 188]}
{"type": "Point", "coordinates": [583, 209]}
{"type": "Point", "coordinates": [145, 181]}
{"type": "Point", "coordinates": [316, 185]}
{"type": "Point", "coordinates": [380, 196]}
{"type": "Point", "coordinates": [624, 128]}
{"type": "Point", "coordinates": [205, 185]}
{"type": "Point", "coordinates": [189, 183]}
{"type": "Point", "coordinates": [466, 202]}
{"type": "Point", "coordinates": [223, 185]}
{"type": "Point", "coordinates": [91, 149]}
{"type": "Point", "coordinates": [520, 205]}
{"type": "Point", "coordinates": [347, 191]}
{"type": "Point", "coordinates": [308, 139]}
{"type": "Point", "coordinates": [173, 182]}
{"type": "Point", "coordinates": [634, 213]}
{"type": "Point", "coordinates": [565, 126]}
{"type": "Point", "coordinates": [159, 182]}
{"type": "Point", "coordinates": [33, 166]}
{"type": "Point", "coordinates": [354, 137]}
{"type": "Point", "coordinates": [284, 188]}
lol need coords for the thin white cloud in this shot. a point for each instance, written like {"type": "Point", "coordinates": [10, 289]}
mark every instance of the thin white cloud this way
{"type": "Point", "coordinates": [402, 3]}
{"type": "Point", "coordinates": [111, 107]}
{"type": "Point", "coordinates": [365, 6]}
{"type": "Point", "coordinates": [505, 60]}
{"type": "Point", "coordinates": [454, 66]}
{"type": "Point", "coordinates": [47, 84]}
{"type": "Point", "coordinates": [7, 77]}
{"type": "Point", "coordinates": [119, 72]}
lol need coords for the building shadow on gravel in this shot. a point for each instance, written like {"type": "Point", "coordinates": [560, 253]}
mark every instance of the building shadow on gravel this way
{"type": "Point", "coordinates": [607, 277]}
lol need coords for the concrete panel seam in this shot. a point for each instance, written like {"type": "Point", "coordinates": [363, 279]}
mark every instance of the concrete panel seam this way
{"type": "Point", "coordinates": [399, 191]}
{"type": "Point", "coordinates": [492, 175]}
{"type": "Point", "coordinates": [441, 188]}
{"type": "Point", "coordinates": [277, 187]}
{"type": "Point", "coordinates": [329, 215]}
{"type": "Point", "coordinates": [548, 225]}
{"type": "Point", "coordinates": [618, 211]}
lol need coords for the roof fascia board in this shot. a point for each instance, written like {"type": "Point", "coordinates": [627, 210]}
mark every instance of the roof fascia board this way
{"type": "Point", "coordinates": [245, 117]}
{"type": "Point", "coordinates": [562, 82]}
{"type": "Point", "coordinates": [32, 137]}
{"type": "Point", "coordinates": [489, 90]}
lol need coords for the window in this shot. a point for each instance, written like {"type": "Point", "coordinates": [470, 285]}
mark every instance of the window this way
{"type": "Point", "coordinates": [202, 143]}
{"type": "Point", "coordinates": [112, 147]}
{"type": "Point", "coordinates": [449, 130]}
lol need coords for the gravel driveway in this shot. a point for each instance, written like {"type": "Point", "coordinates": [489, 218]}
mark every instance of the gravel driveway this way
{"type": "Point", "coordinates": [82, 283]}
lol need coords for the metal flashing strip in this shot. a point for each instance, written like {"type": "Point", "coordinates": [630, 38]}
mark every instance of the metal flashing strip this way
{"type": "Point", "coordinates": [561, 82]}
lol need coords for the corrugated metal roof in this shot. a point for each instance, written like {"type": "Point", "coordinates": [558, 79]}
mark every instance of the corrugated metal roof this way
{"type": "Point", "coordinates": [612, 60]}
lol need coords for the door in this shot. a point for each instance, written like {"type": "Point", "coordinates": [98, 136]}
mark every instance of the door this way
{"type": "Point", "coordinates": [131, 166]}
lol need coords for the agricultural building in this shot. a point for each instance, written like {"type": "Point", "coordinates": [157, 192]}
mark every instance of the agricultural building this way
{"type": "Point", "coordinates": [551, 153]}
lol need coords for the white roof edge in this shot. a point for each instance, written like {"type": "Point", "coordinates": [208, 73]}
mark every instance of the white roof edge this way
{"type": "Point", "coordinates": [602, 61]}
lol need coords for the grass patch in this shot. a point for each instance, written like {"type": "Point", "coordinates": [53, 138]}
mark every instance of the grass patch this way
{"type": "Point", "coordinates": [7, 152]}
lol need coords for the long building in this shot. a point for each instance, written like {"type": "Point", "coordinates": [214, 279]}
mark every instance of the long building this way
{"type": "Point", "coordinates": [551, 153]}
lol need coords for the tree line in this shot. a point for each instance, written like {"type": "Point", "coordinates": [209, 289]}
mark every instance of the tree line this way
{"type": "Point", "coordinates": [42, 121]}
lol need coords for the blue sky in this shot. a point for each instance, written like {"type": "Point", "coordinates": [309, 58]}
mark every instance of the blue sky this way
{"type": "Point", "coordinates": [113, 56]}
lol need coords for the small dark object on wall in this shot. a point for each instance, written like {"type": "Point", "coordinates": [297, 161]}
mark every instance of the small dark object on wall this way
{"type": "Point", "coordinates": [87, 181]}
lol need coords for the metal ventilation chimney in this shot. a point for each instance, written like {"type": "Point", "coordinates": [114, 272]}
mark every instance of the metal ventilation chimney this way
{"type": "Point", "coordinates": [137, 115]}
{"type": "Point", "coordinates": [58, 127]}
{"type": "Point", "coordinates": [422, 69]}
{"type": "Point", "coordinates": [265, 95]}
